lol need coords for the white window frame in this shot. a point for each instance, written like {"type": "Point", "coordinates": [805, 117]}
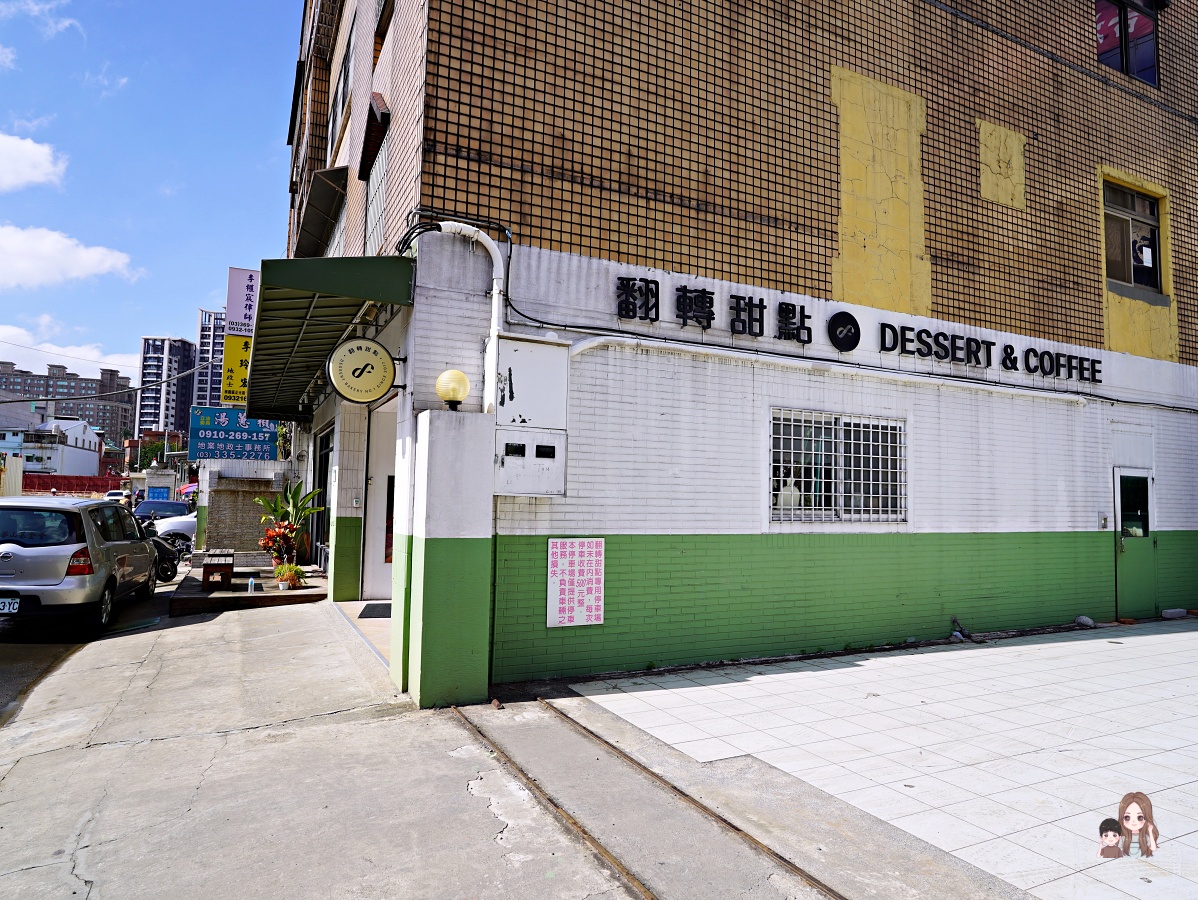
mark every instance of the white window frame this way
{"type": "Point", "coordinates": [821, 493]}
{"type": "Point", "coordinates": [376, 200]}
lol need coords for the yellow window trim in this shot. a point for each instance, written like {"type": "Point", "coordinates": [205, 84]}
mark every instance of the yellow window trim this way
{"type": "Point", "coordinates": [1133, 326]}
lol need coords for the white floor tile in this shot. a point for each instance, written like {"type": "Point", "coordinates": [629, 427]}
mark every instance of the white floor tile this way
{"type": "Point", "coordinates": [883, 802]}
{"type": "Point", "coordinates": [1035, 802]}
{"type": "Point", "coordinates": [835, 779]}
{"type": "Point", "coordinates": [1079, 886]}
{"type": "Point", "coordinates": [754, 741]}
{"type": "Point", "coordinates": [722, 726]}
{"type": "Point", "coordinates": [709, 749]}
{"type": "Point", "coordinates": [676, 734]}
{"type": "Point", "coordinates": [1012, 863]}
{"type": "Point", "coordinates": [1142, 879]}
{"type": "Point", "coordinates": [992, 815]}
{"type": "Point", "coordinates": [943, 830]}
{"type": "Point", "coordinates": [931, 790]}
{"type": "Point", "coordinates": [791, 759]}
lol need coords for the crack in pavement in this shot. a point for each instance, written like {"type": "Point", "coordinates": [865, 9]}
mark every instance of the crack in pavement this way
{"type": "Point", "coordinates": [121, 698]}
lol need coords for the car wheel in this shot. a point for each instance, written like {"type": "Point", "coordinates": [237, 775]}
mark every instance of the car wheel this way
{"type": "Point", "coordinates": [146, 591]}
{"type": "Point", "coordinates": [167, 571]}
{"type": "Point", "coordinates": [101, 614]}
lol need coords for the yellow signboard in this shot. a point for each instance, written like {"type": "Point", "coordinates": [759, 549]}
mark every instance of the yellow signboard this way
{"type": "Point", "coordinates": [235, 380]}
{"type": "Point", "coordinates": [240, 308]}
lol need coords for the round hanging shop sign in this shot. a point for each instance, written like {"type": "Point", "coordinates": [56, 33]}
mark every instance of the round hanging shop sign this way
{"type": "Point", "coordinates": [361, 370]}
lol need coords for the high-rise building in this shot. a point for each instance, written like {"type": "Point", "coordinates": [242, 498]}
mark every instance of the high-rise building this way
{"type": "Point", "coordinates": [165, 398]}
{"type": "Point", "coordinates": [106, 403]}
{"type": "Point", "coordinates": [210, 348]}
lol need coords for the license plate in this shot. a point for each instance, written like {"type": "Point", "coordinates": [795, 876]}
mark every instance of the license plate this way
{"type": "Point", "coordinates": [9, 607]}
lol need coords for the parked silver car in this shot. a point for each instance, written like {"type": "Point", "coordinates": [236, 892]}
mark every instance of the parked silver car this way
{"type": "Point", "coordinates": [64, 555]}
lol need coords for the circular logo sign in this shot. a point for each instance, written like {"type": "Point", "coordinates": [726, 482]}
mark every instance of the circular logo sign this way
{"type": "Point", "coordinates": [361, 370]}
{"type": "Point", "coordinates": [844, 332]}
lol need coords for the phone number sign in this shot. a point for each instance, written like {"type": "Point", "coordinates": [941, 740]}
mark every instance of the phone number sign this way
{"type": "Point", "coordinates": [218, 433]}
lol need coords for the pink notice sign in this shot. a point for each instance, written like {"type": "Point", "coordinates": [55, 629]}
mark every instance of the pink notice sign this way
{"type": "Point", "coordinates": [575, 595]}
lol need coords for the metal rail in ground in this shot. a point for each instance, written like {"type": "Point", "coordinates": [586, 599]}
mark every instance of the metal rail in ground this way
{"type": "Point", "coordinates": [774, 855]}
{"type": "Point", "coordinates": [572, 823]}
{"type": "Point", "coordinates": [635, 883]}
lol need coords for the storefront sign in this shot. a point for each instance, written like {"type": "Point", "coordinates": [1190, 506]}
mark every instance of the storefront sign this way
{"type": "Point", "coordinates": [642, 301]}
{"type": "Point", "coordinates": [361, 370]}
{"type": "Point", "coordinates": [218, 433]}
{"type": "Point", "coordinates": [575, 595]}
{"type": "Point", "coordinates": [241, 303]}
{"type": "Point", "coordinates": [907, 340]}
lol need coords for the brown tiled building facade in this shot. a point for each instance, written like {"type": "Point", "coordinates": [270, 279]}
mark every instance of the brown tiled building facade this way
{"type": "Point", "coordinates": [708, 138]}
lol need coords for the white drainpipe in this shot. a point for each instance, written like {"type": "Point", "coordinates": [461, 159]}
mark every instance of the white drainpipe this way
{"type": "Point", "coordinates": [490, 356]}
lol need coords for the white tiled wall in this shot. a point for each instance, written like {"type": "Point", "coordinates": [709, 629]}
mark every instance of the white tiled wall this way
{"type": "Point", "coordinates": [666, 439]}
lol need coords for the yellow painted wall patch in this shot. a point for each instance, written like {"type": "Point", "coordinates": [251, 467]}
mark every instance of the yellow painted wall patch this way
{"type": "Point", "coordinates": [1000, 160]}
{"type": "Point", "coordinates": [882, 261]}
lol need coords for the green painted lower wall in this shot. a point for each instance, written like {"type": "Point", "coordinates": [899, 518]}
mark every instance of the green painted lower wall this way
{"type": "Point", "coordinates": [1177, 569]}
{"type": "Point", "coordinates": [450, 629]}
{"type": "Point", "coordinates": [345, 558]}
{"type": "Point", "coordinates": [673, 599]}
{"type": "Point", "coordinates": [201, 526]}
{"type": "Point", "coordinates": [401, 593]}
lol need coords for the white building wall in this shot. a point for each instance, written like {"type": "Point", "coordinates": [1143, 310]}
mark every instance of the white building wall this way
{"type": "Point", "coordinates": [663, 439]}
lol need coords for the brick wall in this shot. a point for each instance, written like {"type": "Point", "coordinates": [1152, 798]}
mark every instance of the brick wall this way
{"type": "Point", "coordinates": [233, 516]}
{"type": "Point", "coordinates": [703, 138]}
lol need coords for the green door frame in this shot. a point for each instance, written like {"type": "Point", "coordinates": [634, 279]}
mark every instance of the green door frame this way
{"type": "Point", "coordinates": [1135, 557]}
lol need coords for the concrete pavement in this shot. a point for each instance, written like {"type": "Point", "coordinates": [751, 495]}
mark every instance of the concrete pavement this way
{"type": "Point", "coordinates": [261, 754]}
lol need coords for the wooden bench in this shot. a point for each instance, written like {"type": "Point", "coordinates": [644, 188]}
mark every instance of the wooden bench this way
{"type": "Point", "coordinates": [218, 571]}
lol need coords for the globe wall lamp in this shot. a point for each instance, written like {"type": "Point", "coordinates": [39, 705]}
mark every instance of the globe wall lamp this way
{"type": "Point", "coordinates": [453, 387]}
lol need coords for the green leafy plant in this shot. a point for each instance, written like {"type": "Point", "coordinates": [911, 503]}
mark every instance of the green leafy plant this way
{"type": "Point", "coordinates": [291, 505]}
{"type": "Point", "coordinates": [290, 573]}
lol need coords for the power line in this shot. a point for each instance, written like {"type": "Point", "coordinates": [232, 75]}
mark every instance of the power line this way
{"type": "Point", "coordinates": [121, 393]}
{"type": "Point", "coordinates": [94, 362]}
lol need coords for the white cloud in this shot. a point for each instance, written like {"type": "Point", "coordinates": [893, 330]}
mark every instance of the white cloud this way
{"type": "Point", "coordinates": [43, 11]}
{"type": "Point", "coordinates": [20, 346]}
{"type": "Point", "coordinates": [108, 84]}
{"type": "Point", "coordinates": [24, 162]}
{"type": "Point", "coordinates": [31, 125]}
{"type": "Point", "coordinates": [36, 257]}
{"type": "Point", "coordinates": [8, 57]}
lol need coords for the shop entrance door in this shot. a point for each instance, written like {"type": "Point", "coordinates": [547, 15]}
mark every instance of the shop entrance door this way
{"type": "Point", "coordinates": [1135, 545]}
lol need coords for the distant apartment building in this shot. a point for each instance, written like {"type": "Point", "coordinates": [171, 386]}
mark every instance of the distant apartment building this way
{"type": "Point", "coordinates": [105, 403]}
{"type": "Point", "coordinates": [62, 445]}
{"type": "Point", "coordinates": [165, 399]}
{"type": "Point", "coordinates": [210, 348]}
{"type": "Point", "coordinates": [15, 419]}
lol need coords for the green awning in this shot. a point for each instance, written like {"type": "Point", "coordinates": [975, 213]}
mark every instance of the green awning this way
{"type": "Point", "coordinates": [305, 308]}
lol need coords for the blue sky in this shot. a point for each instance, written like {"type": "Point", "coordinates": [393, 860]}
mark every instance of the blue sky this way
{"type": "Point", "coordinates": [142, 152]}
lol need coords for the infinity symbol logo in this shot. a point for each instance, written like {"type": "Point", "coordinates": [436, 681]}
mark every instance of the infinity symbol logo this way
{"type": "Point", "coordinates": [363, 369]}
{"type": "Point", "coordinates": [845, 331]}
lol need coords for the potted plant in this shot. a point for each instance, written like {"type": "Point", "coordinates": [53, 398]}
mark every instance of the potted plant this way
{"type": "Point", "coordinates": [286, 513]}
{"type": "Point", "coordinates": [289, 576]}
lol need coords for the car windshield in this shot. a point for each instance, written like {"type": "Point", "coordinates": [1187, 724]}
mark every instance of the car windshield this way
{"type": "Point", "coordinates": [161, 509]}
{"type": "Point", "coordinates": [39, 527]}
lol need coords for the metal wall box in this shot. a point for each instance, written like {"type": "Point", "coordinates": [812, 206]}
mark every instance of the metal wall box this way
{"type": "Point", "coordinates": [532, 388]}
{"type": "Point", "coordinates": [530, 462]}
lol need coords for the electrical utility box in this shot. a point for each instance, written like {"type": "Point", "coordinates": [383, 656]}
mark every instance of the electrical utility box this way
{"type": "Point", "coordinates": [530, 417]}
{"type": "Point", "coordinates": [530, 462]}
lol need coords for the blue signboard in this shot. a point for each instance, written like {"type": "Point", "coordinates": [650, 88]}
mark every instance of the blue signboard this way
{"type": "Point", "coordinates": [158, 493]}
{"type": "Point", "coordinates": [218, 433]}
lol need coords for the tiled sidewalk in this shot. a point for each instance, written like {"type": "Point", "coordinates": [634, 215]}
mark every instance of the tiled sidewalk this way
{"type": "Point", "coordinates": [1008, 755]}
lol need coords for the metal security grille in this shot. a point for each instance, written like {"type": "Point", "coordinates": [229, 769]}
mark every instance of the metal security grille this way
{"type": "Point", "coordinates": [828, 468]}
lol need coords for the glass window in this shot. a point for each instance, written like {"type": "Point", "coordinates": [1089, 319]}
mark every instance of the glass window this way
{"type": "Point", "coordinates": [108, 523]}
{"type": "Point", "coordinates": [128, 525]}
{"type": "Point", "coordinates": [1132, 226]}
{"type": "Point", "coordinates": [828, 468]}
{"type": "Point", "coordinates": [1126, 38]}
{"type": "Point", "coordinates": [39, 528]}
{"type": "Point", "coordinates": [1133, 506]}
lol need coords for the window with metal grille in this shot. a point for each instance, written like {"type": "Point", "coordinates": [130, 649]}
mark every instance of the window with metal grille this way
{"type": "Point", "coordinates": [376, 201]}
{"type": "Point", "coordinates": [830, 468]}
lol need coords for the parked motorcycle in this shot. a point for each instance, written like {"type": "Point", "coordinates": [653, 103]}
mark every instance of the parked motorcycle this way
{"type": "Point", "coordinates": [168, 555]}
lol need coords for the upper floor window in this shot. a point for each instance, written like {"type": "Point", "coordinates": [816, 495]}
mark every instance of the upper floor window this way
{"type": "Point", "coordinates": [1132, 237]}
{"type": "Point", "coordinates": [1126, 34]}
{"type": "Point", "coordinates": [341, 93]}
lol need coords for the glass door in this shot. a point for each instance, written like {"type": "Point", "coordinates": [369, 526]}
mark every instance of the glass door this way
{"type": "Point", "coordinates": [1135, 545]}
